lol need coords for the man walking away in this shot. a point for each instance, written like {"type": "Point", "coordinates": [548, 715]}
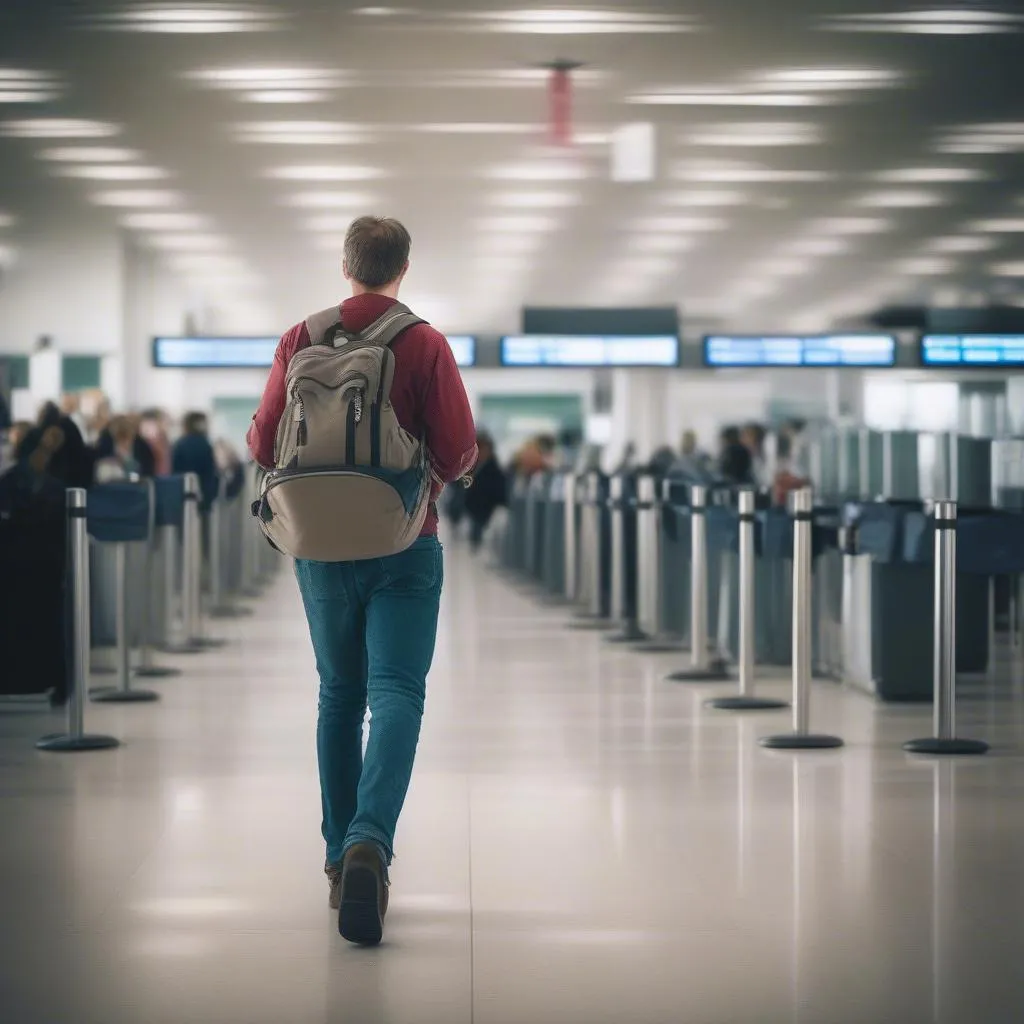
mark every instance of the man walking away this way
{"type": "Point", "coordinates": [373, 622]}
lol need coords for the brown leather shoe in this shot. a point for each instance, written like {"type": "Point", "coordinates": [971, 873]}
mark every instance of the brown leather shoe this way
{"type": "Point", "coordinates": [364, 895]}
{"type": "Point", "coordinates": [333, 873]}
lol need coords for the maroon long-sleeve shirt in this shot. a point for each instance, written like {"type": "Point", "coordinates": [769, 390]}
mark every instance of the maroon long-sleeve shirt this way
{"type": "Point", "coordinates": [427, 394]}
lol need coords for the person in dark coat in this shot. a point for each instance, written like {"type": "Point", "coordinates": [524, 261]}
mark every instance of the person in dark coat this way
{"type": "Point", "coordinates": [55, 448]}
{"type": "Point", "coordinates": [487, 493]}
{"type": "Point", "coordinates": [193, 453]}
{"type": "Point", "coordinates": [141, 453]}
{"type": "Point", "coordinates": [735, 462]}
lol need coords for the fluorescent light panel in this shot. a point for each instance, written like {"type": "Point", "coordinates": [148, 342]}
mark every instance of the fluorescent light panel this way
{"type": "Point", "coordinates": [925, 266]}
{"type": "Point", "coordinates": [683, 225]}
{"type": "Point", "coordinates": [90, 155]}
{"type": "Point", "coordinates": [850, 225]}
{"type": "Point", "coordinates": [704, 198]}
{"type": "Point", "coordinates": [740, 175]}
{"type": "Point", "coordinates": [725, 98]}
{"type": "Point", "coordinates": [539, 171]}
{"type": "Point", "coordinates": [330, 200]}
{"type": "Point", "coordinates": [960, 244]}
{"type": "Point", "coordinates": [930, 175]}
{"type": "Point", "coordinates": [57, 128]}
{"type": "Point", "coordinates": [1014, 268]}
{"type": "Point", "coordinates": [827, 79]}
{"type": "Point", "coordinates": [941, 21]}
{"type": "Point", "coordinates": [999, 225]}
{"type": "Point", "coordinates": [324, 173]}
{"type": "Point", "coordinates": [574, 22]}
{"type": "Point", "coordinates": [299, 133]}
{"type": "Point", "coordinates": [535, 200]}
{"type": "Point", "coordinates": [141, 198]}
{"type": "Point", "coordinates": [188, 19]}
{"type": "Point", "coordinates": [111, 172]}
{"type": "Point", "coordinates": [755, 134]}
{"type": "Point", "coordinates": [163, 222]}
{"type": "Point", "coordinates": [908, 199]}
{"type": "Point", "coordinates": [523, 223]}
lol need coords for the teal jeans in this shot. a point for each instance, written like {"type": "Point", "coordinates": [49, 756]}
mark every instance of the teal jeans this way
{"type": "Point", "coordinates": [373, 625]}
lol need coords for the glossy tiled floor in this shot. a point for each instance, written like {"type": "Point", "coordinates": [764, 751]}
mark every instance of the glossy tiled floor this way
{"type": "Point", "coordinates": [583, 843]}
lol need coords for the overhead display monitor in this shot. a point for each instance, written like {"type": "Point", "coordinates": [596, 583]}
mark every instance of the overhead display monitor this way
{"type": "Point", "coordinates": [589, 351]}
{"type": "Point", "coordinates": [972, 350]}
{"type": "Point", "coordinates": [463, 348]}
{"type": "Point", "coordinates": [800, 350]}
{"type": "Point", "coordinates": [253, 353]}
{"type": "Point", "coordinates": [214, 353]}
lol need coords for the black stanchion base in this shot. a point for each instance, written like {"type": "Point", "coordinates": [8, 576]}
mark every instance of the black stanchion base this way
{"type": "Point", "coordinates": [63, 743]}
{"type": "Point", "coordinates": [591, 625]}
{"type": "Point", "coordinates": [800, 741]}
{"type": "Point", "coordinates": [630, 635]}
{"type": "Point", "coordinates": [208, 643]}
{"type": "Point", "coordinates": [658, 647]}
{"type": "Point", "coordinates": [716, 672]}
{"type": "Point", "coordinates": [934, 745]}
{"type": "Point", "coordinates": [108, 695]}
{"type": "Point", "coordinates": [741, 703]}
{"type": "Point", "coordinates": [156, 672]}
{"type": "Point", "coordinates": [229, 612]}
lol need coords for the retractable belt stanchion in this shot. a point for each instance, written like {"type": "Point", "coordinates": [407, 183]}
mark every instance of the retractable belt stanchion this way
{"type": "Point", "coordinates": [624, 556]}
{"type": "Point", "coordinates": [746, 700]}
{"type": "Point", "coordinates": [220, 513]}
{"type": "Point", "coordinates": [76, 738]}
{"type": "Point", "coordinates": [122, 692]}
{"type": "Point", "coordinates": [250, 538]}
{"type": "Point", "coordinates": [192, 561]}
{"type": "Point", "coordinates": [572, 483]}
{"type": "Point", "coordinates": [592, 616]}
{"type": "Point", "coordinates": [650, 613]}
{"type": "Point", "coordinates": [803, 581]}
{"type": "Point", "coordinates": [703, 668]}
{"type": "Point", "coordinates": [146, 668]}
{"type": "Point", "coordinates": [945, 740]}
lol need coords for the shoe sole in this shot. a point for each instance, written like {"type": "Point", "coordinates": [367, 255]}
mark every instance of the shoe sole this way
{"type": "Point", "coordinates": [359, 916]}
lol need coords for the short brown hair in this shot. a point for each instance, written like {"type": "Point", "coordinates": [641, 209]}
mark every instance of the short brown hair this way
{"type": "Point", "coordinates": [376, 250]}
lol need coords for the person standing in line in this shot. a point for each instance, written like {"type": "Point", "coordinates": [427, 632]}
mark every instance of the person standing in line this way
{"type": "Point", "coordinates": [373, 623]}
{"type": "Point", "coordinates": [487, 493]}
{"type": "Point", "coordinates": [193, 453]}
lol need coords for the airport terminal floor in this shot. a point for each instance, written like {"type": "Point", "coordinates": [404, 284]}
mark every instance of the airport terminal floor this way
{"type": "Point", "coordinates": [583, 842]}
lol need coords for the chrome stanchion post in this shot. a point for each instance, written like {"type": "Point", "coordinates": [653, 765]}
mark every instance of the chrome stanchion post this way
{"type": "Point", "coordinates": [703, 668]}
{"type": "Point", "coordinates": [803, 581]}
{"type": "Point", "coordinates": [76, 738]}
{"type": "Point", "coordinates": [146, 668]}
{"type": "Point", "coordinates": [220, 606]}
{"type": "Point", "coordinates": [625, 569]}
{"type": "Point", "coordinates": [649, 557]}
{"type": "Point", "coordinates": [746, 700]}
{"type": "Point", "coordinates": [945, 740]}
{"type": "Point", "coordinates": [572, 482]}
{"type": "Point", "coordinates": [590, 559]}
{"type": "Point", "coordinates": [192, 581]}
{"type": "Point", "coordinates": [250, 539]}
{"type": "Point", "coordinates": [122, 693]}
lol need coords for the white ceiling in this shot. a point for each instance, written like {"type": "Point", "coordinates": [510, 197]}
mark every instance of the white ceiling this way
{"type": "Point", "coordinates": [810, 160]}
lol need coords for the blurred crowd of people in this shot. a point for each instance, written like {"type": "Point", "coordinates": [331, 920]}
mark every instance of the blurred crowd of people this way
{"type": "Point", "coordinates": [82, 441]}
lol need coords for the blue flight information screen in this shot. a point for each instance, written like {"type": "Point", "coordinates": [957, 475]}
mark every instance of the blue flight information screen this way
{"type": "Point", "coordinates": [800, 350]}
{"type": "Point", "coordinates": [972, 350]}
{"type": "Point", "coordinates": [463, 348]}
{"type": "Point", "coordinates": [253, 353]}
{"type": "Point", "coordinates": [587, 351]}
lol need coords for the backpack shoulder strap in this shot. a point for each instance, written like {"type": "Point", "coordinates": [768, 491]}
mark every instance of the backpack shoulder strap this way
{"type": "Point", "coordinates": [390, 325]}
{"type": "Point", "coordinates": [321, 325]}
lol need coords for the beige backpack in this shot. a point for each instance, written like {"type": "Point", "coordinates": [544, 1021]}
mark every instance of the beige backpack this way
{"type": "Point", "coordinates": [349, 482]}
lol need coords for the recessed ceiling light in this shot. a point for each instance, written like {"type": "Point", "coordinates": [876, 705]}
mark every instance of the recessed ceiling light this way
{"type": "Point", "coordinates": [907, 199]}
{"type": "Point", "coordinates": [960, 244]}
{"type": "Point", "coordinates": [1014, 268]}
{"type": "Point", "coordinates": [553, 170]}
{"type": "Point", "coordinates": [111, 172]}
{"type": "Point", "coordinates": [187, 242]}
{"type": "Point", "coordinates": [726, 98]}
{"type": "Point", "coordinates": [755, 134]}
{"type": "Point", "coordinates": [1007, 137]}
{"type": "Point", "coordinates": [142, 198]}
{"type": "Point", "coordinates": [930, 175]}
{"type": "Point", "coordinates": [660, 243]}
{"type": "Point", "coordinates": [207, 261]}
{"type": "Point", "coordinates": [269, 77]}
{"type": "Point", "coordinates": [329, 222]}
{"type": "Point", "coordinates": [163, 222]}
{"type": "Point", "coordinates": [518, 224]}
{"type": "Point", "coordinates": [330, 200]}
{"type": "Point", "coordinates": [535, 200]}
{"type": "Point", "coordinates": [325, 172]}
{"type": "Point", "coordinates": [284, 96]}
{"type": "Point", "coordinates": [22, 85]}
{"type": "Point", "coordinates": [940, 21]}
{"type": "Point", "coordinates": [925, 266]}
{"type": "Point", "coordinates": [508, 242]}
{"type": "Point", "coordinates": [704, 198]}
{"type": "Point", "coordinates": [999, 225]}
{"type": "Point", "coordinates": [849, 225]}
{"type": "Point", "coordinates": [188, 19]}
{"type": "Point", "coordinates": [817, 246]}
{"type": "Point", "coordinates": [827, 79]}
{"type": "Point", "coordinates": [743, 175]}
{"type": "Point", "coordinates": [683, 225]}
{"type": "Point", "coordinates": [57, 128]}
{"type": "Point", "coordinates": [474, 128]}
{"type": "Point", "coordinates": [89, 155]}
{"type": "Point", "coordinates": [785, 267]}
{"type": "Point", "coordinates": [300, 133]}
{"type": "Point", "coordinates": [575, 22]}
